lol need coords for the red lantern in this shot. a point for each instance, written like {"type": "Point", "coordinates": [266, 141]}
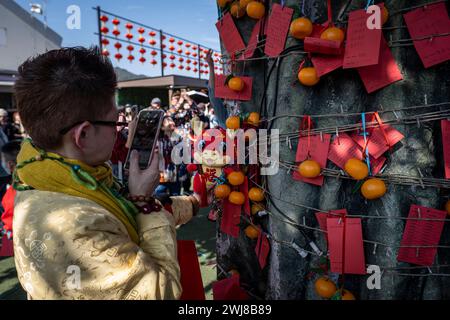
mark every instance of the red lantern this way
{"type": "Point", "coordinates": [152, 33]}
{"type": "Point", "coordinates": [188, 61]}
{"type": "Point", "coordinates": [181, 59]}
{"type": "Point", "coordinates": [164, 56]}
{"type": "Point", "coordinates": [105, 52]}
{"type": "Point", "coordinates": [180, 42]}
{"type": "Point", "coordinates": [130, 48]}
{"type": "Point", "coordinates": [116, 22]}
{"type": "Point", "coordinates": [194, 48]}
{"type": "Point", "coordinates": [180, 67]}
{"type": "Point", "coordinates": [130, 57]}
{"type": "Point", "coordinates": [152, 42]}
{"type": "Point", "coordinates": [153, 62]}
{"type": "Point", "coordinates": [205, 50]}
{"type": "Point", "coordinates": [188, 68]}
{"type": "Point", "coordinates": [188, 45]}
{"type": "Point", "coordinates": [141, 39]}
{"type": "Point", "coordinates": [154, 53]}
{"type": "Point", "coordinates": [194, 54]}
{"type": "Point", "coordinates": [142, 50]}
{"type": "Point", "coordinates": [141, 30]}
{"type": "Point", "coordinates": [195, 63]}
{"type": "Point", "coordinates": [116, 32]}
{"type": "Point", "coordinates": [164, 37]}
{"type": "Point", "coordinates": [142, 59]}
{"type": "Point", "coordinates": [104, 18]}
{"type": "Point", "coordinates": [129, 36]}
{"type": "Point", "coordinates": [180, 51]}
{"type": "Point", "coordinates": [118, 45]}
{"type": "Point", "coordinates": [104, 30]}
{"type": "Point", "coordinates": [164, 64]}
{"type": "Point", "coordinates": [195, 70]}
{"type": "Point", "coordinates": [188, 53]}
{"type": "Point", "coordinates": [129, 26]}
{"type": "Point", "coordinates": [118, 56]}
{"type": "Point", "coordinates": [172, 57]}
{"type": "Point", "coordinates": [172, 65]}
{"type": "Point", "coordinates": [163, 46]}
{"type": "Point", "coordinates": [105, 41]}
{"type": "Point", "coordinates": [171, 48]}
{"type": "Point", "coordinates": [171, 40]}
{"type": "Point", "coordinates": [216, 60]}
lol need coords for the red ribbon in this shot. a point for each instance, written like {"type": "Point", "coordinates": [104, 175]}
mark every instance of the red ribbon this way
{"type": "Point", "coordinates": [380, 123]}
{"type": "Point", "coordinates": [307, 123]}
{"type": "Point", "coordinates": [330, 13]}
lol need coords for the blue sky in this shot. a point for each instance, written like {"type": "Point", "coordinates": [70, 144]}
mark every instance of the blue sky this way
{"type": "Point", "coordinates": [193, 20]}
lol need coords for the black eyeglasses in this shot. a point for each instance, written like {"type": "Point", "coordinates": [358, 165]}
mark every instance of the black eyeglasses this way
{"type": "Point", "coordinates": [99, 122]}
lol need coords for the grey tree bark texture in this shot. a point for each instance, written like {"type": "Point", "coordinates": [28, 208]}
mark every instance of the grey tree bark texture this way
{"type": "Point", "coordinates": [285, 277]}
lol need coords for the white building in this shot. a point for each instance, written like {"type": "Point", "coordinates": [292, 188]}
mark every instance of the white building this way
{"type": "Point", "coordinates": [21, 36]}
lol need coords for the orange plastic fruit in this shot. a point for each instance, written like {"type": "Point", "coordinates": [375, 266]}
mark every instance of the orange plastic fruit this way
{"type": "Point", "coordinates": [308, 76]}
{"type": "Point", "coordinates": [301, 28]}
{"type": "Point", "coordinates": [252, 232]}
{"type": "Point", "coordinates": [373, 189]}
{"type": "Point", "coordinates": [236, 178]}
{"type": "Point", "coordinates": [256, 207]}
{"type": "Point", "coordinates": [236, 10]}
{"type": "Point", "coordinates": [356, 169]}
{"type": "Point", "coordinates": [347, 295]}
{"type": "Point", "coordinates": [233, 122]}
{"type": "Point", "coordinates": [447, 207]}
{"type": "Point", "coordinates": [325, 288]}
{"type": "Point", "coordinates": [222, 191]}
{"type": "Point", "coordinates": [236, 197]}
{"type": "Point", "coordinates": [253, 118]}
{"type": "Point", "coordinates": [384, 15]}
{"type": "Point", "coordinates": [236, 84]}
{"type": "Point", "coordinates": [309, 169]}
{"type": "Point", "coordinates": [256, 194]}
{"type": "Point", "coordinates": [244, 3]}
{"type": "Point", "coordinates": [256, 10]}
{"type": "Point", "coordinates": [333, 33]}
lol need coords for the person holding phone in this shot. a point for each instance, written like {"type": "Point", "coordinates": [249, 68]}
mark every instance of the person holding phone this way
{"type": "Point", "coordinates": [70, 212]}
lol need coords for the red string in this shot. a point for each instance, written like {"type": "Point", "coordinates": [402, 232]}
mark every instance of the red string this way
{"type": "Point", "coordinates": [301, 65]}
{"type": "Point", "coordinates": [330, 13]}
{"type": "Point", "coordinates": [380, 123]}
{"type": "Point", "coordinates": [307, 125]}
{"type": "Point", "coordinates": [344, 220]}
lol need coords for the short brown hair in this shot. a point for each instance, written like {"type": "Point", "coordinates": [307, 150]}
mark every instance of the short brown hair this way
{"type": "Point", "coordinates": [61, 87]}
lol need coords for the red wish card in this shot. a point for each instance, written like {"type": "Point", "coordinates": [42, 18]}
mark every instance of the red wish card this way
{"type": "Point", "coordinates": [317, 30]}
{"type": "Point", "coordinates": [362, 47]}
{"type": "Point", "coordinates": [229, 289]}
{"type": "Point", "coordinates": [317, 45]}
{"type": "Point", "coordinates": [425, 22]}
{"type": "Point", "coordinates": [322, 217]}
{"type": "Point", "coordinates": [380, 75]}
{"type": "Point", "coordinates": [326, 63]}
{"type": "Point", "coordinates": [421, 233]}
{"type": "Point", "coordinates": [318, 151]}
{"type": "Point", "coordinates": [277, 30]}
{"type": "Point", "coordinates": [231, 217]}
{"type": "Point", "coordinates": [190, 275]}
{"type": "Point", "coordinates": [253, 42]}
{"type": "Point", "coordinates": [262, 249]}
{"type": "Point", "coordinates": [7, 249]}
{"type": "Point", "coordinates": [379, 142]}
{"type": "Point", "coordinates": [230, 35]}
{"type": "Point", "coordinates": [445, 127]}
{"type": "Point", "coordinates": [354, 262]}
{"type": "Point", "coordinates": [222, 91]}
{"type": "Point", "coordinates": [344, 148]}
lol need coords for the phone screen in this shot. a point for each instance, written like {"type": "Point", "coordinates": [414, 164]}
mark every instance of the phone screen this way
{"type": "Point", "coordinates": [145, 136]}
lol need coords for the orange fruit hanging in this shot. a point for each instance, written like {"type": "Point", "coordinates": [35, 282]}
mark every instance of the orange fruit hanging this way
{"type": "Point", "coordinates": [236, 84]}
{"type": "Point", "coordinates": [252, 232]}
{"type": "Point", "coordinates": [244, 3]}
{"type": "Point", "coordinates": [301, 28]}
{"type": "Point", "coordinates": [233, 123]}
{"type": "Point", "coordinates": [236, 178]}
{"type": "Point", "coordinates": [373, 189]}
{"type": "Point", "coordinates": [256, 10]}
{"type": "Point", "coordinates": [325, 288]}
{"type": "Point", "coordinates": [236, 10]}
{"type": "Point", "coordinates": [309, 169]}
{"type": "Point", "coordinates": [236, 197]}
{"type": "Point", "coordinates": [447, 207]}
{"type": "Point", "coordinates": [347, 295]}
{"type": "Point", "coordinates": [256, 207]}
{"type": "Point", "coordinates": [253, 118]}
{"type": "Point", "coordinates": [308, 76]}
{"type": "Point", "coordinates": [384, 15]}
{"type": "Point", "coordinates": [333, 33]}
{"type": "Point", "coordinates": [222, 3]}
{"type": "Point", "coordinates": [222, 191]}
{"type": "Point", "coordinates": [356, 169]}
{"type": "Point", "coordinates": [256, 194]}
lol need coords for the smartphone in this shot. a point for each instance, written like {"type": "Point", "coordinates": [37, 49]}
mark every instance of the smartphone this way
{"type": "Point", "coordinates": [145, 137]}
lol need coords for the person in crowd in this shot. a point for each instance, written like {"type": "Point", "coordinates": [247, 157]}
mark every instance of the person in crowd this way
{"type": "Point", "coordinates": [120, 150]}
{"type": "Point", "coordinates": [156, 104]}
{"type": "Point", "coordinates": [5, 127]}
{"type": "Point", "coordinates": [68, 203]}
{"type": "Point", "coordinates": [217, 104]}
{"type": "Point", "coordinates": [19, 130]}
{"type": "Point", "coordinates": [9, 154]}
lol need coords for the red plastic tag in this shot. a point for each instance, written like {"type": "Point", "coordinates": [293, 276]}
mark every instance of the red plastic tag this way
{"type": "Point", "coordinates": [253, 41]}
{"type": "Point", "coordinates": [231, 217]}
{"type": "Point", "coordinates": [354, 249]}
{"type": "Point", "coordinates": [317, 45]}
{"type": "Point", "coordinates": [377, 140]}
{"type": "Point", "coordinates": [380, 75]}
{"type": "Point", "coordinates": [322, 217]}
{"type": "Point", "coordinates": [425, 22]}
{"type": "Point", "coordinates": [318, 151]}
{"type": "Point", "coordinates": [445, 127]}
{"type": "Point", "coordinates": [7, 249]}
{"type": "Point", "coordinates": [344, 148]}
{"type": "Point", "coordinates": [362, 47]}
{"type": "Point", "coordinates": [277, 30]}
{"type": "Point", "coordinates": [229, 289]}
{"type": "Point", "coordinates": [230, 35]}
{"type": "Point", "coordinates": [327, 63]}
{"type": "Point", "coordinates": [421, 233]}
{"type": "Point", "coordinates": [262, 249]}
{"type": "Point", "coordinates": [222, 91]}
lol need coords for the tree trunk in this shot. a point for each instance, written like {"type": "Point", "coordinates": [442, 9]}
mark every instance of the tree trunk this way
{"type": "Point", "coordinates": [285, 277]}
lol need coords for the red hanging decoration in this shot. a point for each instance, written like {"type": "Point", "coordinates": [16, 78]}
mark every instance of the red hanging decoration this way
{"type": "Point", "coordinates": [129, 26]}
{"type": "Point", "coordinates": [188, 68]}
{"type": "Point", "coordinates": [118, 56]}
{"type": "Point", "coordinates": [172, 57]}
{"type": "Point", "coordinates": [171, 40]}
{"type": "Point", "coordinates": [163, 46]}
{"type": "Point", "coordinates": [195, 63]}
{"type": "Point", "coordinates": [154, 62]}
{"type": "Point", "coordinates": [188, 61]}
{"type": "Point", "coordinates": [130, 48]}
{"type": "Point", "coordinates": [129, 36]}
{"type": "Point", "coordinates": [152, 42]}
{"type": "Point", "coordinates": [180, 67]}
{"type": "Point", "coordinates": [104, 30]}
{"type": "Point", "coordinates": [195, 70]}
{"type": "Point", "coordinates": [116, 32]}
{"type": "Point", "coordinates": [104, 18]}
{"type": "Point", "coordinates": [188, 45]}
{"type": "Point", "coordinates": [152, 33]}
{"type": "Point", "coordinates": [171, 48]}
{"type": "Point", "coordinates": [105, 52]}
{"type": "Point", "coordinates": [164, 64]}
{"type": "Point", "coordinates": [172, 65]}
{"type": "Point", "coordinates": [154, 53]}
{"type": "Point", "coordinates": [130, 58]}
{"type": "Point", "coordinates": [194, 48]}
{"type": "Point", "coordinates": [141, 39]}
{"type": "Point", "coordinates": [194, 54]}
{"type": "Point", "coordinates": [142, 50]}
{"type": "Point", "coordinates": [180, 42]}
{"type": "Point", "coordinates": [141, 30]}
{"type": "Point", "coordinates": [142, 59]}
{"type": "Point", "coordinates": [116, 22]}
{"type": "Point", "coordinates": [105, 41]}
{"type": "Point", "coordinates": [188, 53]}
{"type": "Point", "coordinates": [118, 45]}
{"type": "Point", "coordinates": [180, 51]}
{"type": "Point", "coordinates": [181, 59]}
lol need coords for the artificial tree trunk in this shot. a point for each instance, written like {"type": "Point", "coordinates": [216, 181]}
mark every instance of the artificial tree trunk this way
{"type": "Point", "coordinates": [285, 277]}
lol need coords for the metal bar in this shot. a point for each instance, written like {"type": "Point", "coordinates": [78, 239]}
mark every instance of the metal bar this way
{"type": "Point", "coordinates": [199, 61]}
{"type": "Point", "coordinates": [161, 50]}
{"type": "Point", "coordinates": [99, 28]}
